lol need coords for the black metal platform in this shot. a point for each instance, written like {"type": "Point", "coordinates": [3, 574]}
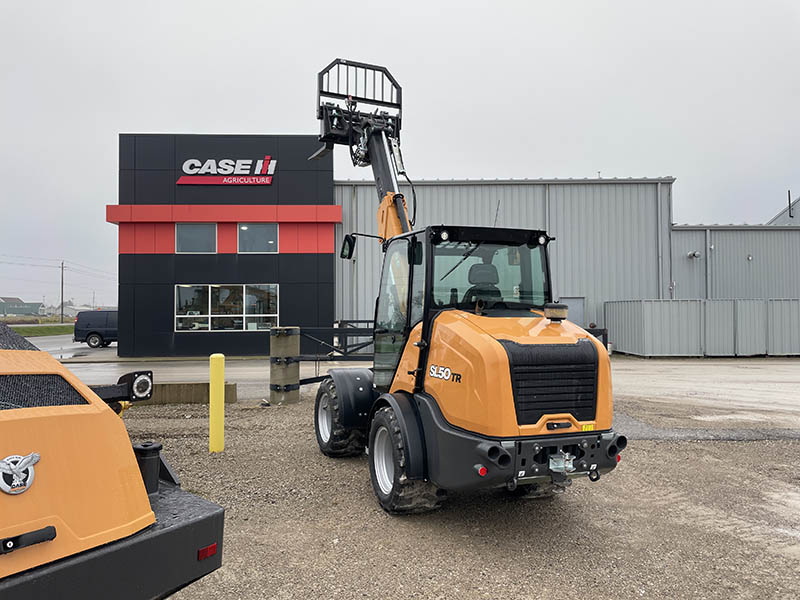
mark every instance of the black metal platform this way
{"type": "Point", "coordinates": [152, 563]}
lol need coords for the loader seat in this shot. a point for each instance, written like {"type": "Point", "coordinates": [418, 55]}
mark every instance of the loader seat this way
{"type": "Point", "coordinates": [484, 280]}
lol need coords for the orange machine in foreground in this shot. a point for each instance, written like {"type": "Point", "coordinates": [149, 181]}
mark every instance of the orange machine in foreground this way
{"type": "Point", "coordinates": [90, 497]}
{"type": "Point", "coordinates": [80, 508]}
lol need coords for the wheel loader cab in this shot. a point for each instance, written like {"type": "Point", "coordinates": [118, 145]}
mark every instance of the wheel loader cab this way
{"type": "Point", "coordinates": [482, 271]}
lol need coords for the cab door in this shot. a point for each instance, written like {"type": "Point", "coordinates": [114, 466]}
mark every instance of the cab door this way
{"type": "Point", "coordinates": [391, 313]}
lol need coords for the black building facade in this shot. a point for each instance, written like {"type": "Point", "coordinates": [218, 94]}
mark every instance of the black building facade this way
{"type": "Point", "coordinates": [220, 238]}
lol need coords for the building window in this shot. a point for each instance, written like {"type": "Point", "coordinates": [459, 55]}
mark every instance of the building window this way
{"type": "Point", "coordinates": [200, 238]}
{"type": "Point", "coordinates": [223, 307]}
{"type": "Point", "coordinates": [258, 238]}
{"type": "Point", "coordinates": [261, 307]}
{"type": "Point", "coordinates": [191, 308]}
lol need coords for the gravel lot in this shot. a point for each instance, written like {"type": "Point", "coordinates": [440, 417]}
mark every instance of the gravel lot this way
{"type": "Point", "coordinates": [699, 507]}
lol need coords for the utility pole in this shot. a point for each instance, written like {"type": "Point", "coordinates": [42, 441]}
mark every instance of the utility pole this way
{"type": "Point", "coordinates": [93, 305]}
{"type": "Point", "coordinates": [62, 291]}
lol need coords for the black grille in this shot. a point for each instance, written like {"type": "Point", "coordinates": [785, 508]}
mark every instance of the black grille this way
{"type": "Point", "coordinates": [30, 391]}
{"type": "Point", "coordinates": [553, 378]}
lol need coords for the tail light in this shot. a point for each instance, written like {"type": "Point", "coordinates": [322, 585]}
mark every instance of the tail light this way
{"type": "Point", "coordinates": [207, 551]}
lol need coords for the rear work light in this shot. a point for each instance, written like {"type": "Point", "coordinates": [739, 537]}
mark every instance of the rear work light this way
{"type": "Point", "coordinates": [207, 552]}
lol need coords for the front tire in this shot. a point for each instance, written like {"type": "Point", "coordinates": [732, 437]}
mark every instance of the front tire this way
{"type": "Point", "coordinates": [333, 438]}
{"type": "Point", "coordinates": [387, 461]}
{"type": "Point", "coordinates": [94, 340]}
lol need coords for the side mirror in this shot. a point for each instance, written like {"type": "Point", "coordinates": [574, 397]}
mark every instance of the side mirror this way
{"type": "Point", "coordinates": [348, 247]}
{"type": "Point", "coordinates": [415, 252]}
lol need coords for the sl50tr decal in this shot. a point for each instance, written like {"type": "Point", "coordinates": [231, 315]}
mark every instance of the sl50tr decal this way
{"type": "Point", "coordinates": [444, 373]}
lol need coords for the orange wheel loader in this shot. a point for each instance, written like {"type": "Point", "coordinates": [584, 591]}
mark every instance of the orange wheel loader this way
{"type": "Point", "coordinates": [83, 514]}
{"type": "Point", "coordinates": [479, 380]}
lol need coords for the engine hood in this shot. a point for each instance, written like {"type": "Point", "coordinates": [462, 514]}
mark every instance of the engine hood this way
{"type": "Point", "coordinates": [532, 328]}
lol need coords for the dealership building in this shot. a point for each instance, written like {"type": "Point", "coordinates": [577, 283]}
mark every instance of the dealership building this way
{"type": "Point", "coordinates": [223, 236]}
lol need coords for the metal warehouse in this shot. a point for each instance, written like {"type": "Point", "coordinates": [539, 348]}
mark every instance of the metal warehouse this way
{"type": "Point", "coordinates": [223, 236]}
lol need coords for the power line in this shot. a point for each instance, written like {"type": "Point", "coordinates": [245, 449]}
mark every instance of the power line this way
{"type": "Point", "coordinates": [6, 262]}
{"type": "Point", "coordinates": [58, 260]}
{"type": "Point", "coordinates": [88, 274]}
{"type": "Point", "coordinates": [72, 269]}
{"type": "Point", "coordinates": [91, 268]}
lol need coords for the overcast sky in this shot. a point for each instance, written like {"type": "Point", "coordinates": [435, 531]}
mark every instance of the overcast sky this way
{"type": "Point", "coordinates": [708, 92]}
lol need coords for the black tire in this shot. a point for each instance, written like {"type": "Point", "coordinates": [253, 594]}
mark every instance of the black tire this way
{"type": "Point", "coordinates": [340, 441]}
{"type": "Point", "coordinates": [403, 496]}
{"type": "Point", "coordinates": [95, 340]}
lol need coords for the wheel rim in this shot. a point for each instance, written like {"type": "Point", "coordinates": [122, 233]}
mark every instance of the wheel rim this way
{"type": "Point", "coordinates": [383, 460]}
{"type": "Point", "coordinates": [324, 418]}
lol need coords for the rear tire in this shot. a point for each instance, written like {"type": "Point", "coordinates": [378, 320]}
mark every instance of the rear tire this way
{"type": "Point", "coordinates": [333, 438]}
{"type": "Point", "coordinates": [387, 461]}
{"type": "Point", "coordinates": [94, 340]}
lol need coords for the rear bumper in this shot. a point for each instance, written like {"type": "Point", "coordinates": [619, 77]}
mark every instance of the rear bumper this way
{"type": "Point", "coordinates": [454, 456]}
{"type": "Point", "coordinates": [152, 563]}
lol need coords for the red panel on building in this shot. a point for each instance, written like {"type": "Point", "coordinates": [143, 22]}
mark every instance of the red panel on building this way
{"type": "Point", "coordinates": [329, 213]}
{"type": "Point", "coordinates": [126, 238]}
{"type": "Point", "coordinates": [118, 213]}
{"type": "Point", "coordinates": [227, 242]}
{"type": "Point", "coordinates": [150, 229]}
{"type": "Point", "coordinates": [215, 213]}
{"type": "Point", "coordinates": [287, 238]}
{"type": "Point", "coordinates": [144, 238]}
{"type": "Point", "coordinates": [152, 213]}
{"type": "Point", "coordinates": [306, 238]}
{"type": "Point", "coordinates": [325, 238]}
{"type": "Point", "coordinates": [164, 238]}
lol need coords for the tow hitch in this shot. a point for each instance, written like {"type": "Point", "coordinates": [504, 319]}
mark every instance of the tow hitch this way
{"type": "Point", "coordinates": [561, 462]}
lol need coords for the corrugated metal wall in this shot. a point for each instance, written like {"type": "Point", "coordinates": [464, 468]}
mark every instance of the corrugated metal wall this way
{"type": "Point", "coordinates": [741, 327]}
{"type": "Point", "coordinates": [763, 263]}
{"type": "Point", "coordinates": [783, 332]}
{"type": "Point", "coordinates": [612, 236]}
{"type": "Point", "coordinates": [737, 262]}
{"type": "Point", "coordinates": [720, 334]}
{"type": "Point", "coordinates": [672, 327]}
{"type": "Point", "coordinates": [625, 318]}
{"type": "Point", "coordinates": [689, 274]}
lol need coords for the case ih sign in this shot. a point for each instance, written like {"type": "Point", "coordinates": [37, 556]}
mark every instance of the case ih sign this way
{"type": "Point", "coordinates": [228, 171]}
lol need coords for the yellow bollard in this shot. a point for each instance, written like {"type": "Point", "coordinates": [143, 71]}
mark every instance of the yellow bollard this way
{"type": "Point", "coordinates": [216, 396]}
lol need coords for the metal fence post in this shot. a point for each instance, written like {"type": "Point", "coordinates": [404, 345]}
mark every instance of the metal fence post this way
{"type": "Point", "coordinates": [216, 402]}
{"type": "Point", "coordinates": [284, 365]}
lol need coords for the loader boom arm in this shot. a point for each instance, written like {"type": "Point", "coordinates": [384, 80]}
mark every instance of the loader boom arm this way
{"type": "Point", "coordinates": [360, 106]}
